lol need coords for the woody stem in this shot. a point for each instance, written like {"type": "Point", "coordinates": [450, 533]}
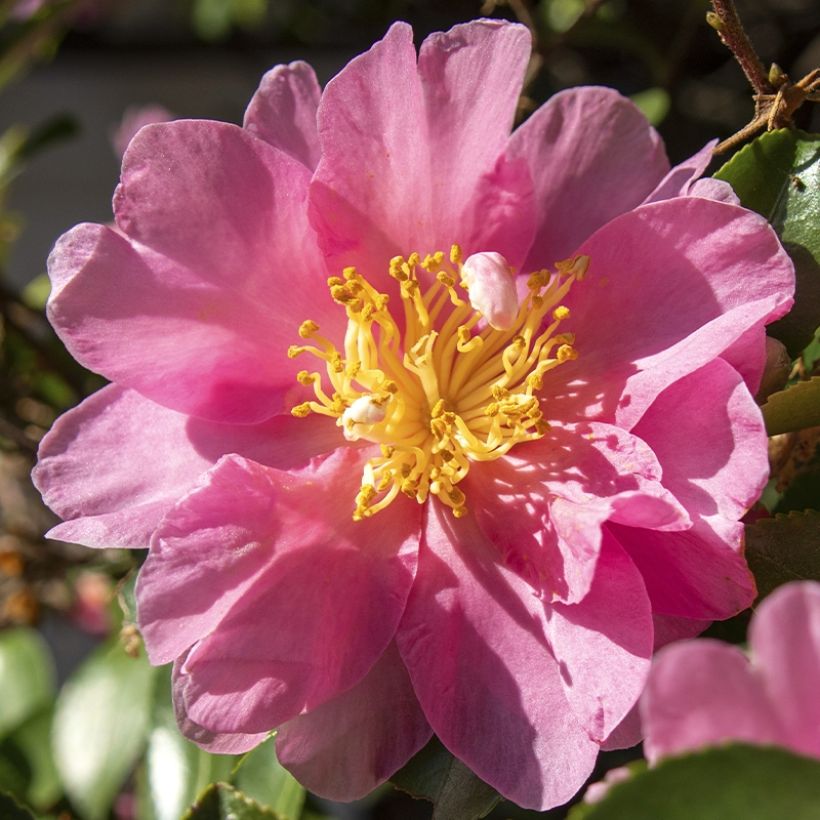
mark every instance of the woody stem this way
{"type": "Point", "coordinates": [726, 22]}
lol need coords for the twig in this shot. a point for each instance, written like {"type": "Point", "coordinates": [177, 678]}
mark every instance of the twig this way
{"type": "Point", "coordinates": [726, 21]}
{"type": "Point", "coordinates": [776, 97]}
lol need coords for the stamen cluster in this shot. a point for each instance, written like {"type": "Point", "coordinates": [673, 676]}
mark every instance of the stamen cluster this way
{"type": "Point", "coordinates": [439, 391]}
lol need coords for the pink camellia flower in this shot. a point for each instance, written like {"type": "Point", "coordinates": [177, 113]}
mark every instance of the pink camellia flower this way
{"type": "Point", "coordinates": [704, 692]}
{"type": "Point", "coordinates": [430, 427]}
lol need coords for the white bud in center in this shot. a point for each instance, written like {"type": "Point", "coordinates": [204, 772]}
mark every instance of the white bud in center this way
{"type": "Point", "coordinates": [365, 410]}
{"type": "Point", "coordinates": [491, 287]}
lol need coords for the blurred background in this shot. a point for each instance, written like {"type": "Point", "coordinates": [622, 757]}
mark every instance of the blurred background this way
{"type": "Point", "coordinates": [77, 78]}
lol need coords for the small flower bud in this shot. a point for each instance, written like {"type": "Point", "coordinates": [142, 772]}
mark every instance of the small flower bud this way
{"type": "Point", "coordinates": [491, 286]}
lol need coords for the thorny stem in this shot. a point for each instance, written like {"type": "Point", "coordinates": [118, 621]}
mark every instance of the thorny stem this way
{"type": "Point", "coordinates": [726, 22]}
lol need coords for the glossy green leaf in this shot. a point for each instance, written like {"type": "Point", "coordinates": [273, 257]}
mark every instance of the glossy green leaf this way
{"type": "Point", "coordinates": [10, 809]}
{"type": "Point", "coordinates": [784, 548]}
{"type": "Point", "coordinates": [735, 782]}
{"type": "Point", "coordinates": [261, 776]}
{"type": "Point", "coordinates": [223, 802]}
{"type": "Point", "coordinates": [455, 791]}
{"type": "Point", "coordinates": [101, 725]}
{"type": "Point", "coordinates": [778, 175]}
{"type": "Point", "coordinates": [794, 408]}
{"type": "Point", "coordinates": [26, 677]}
{"type": "Point", "coordinates": [175, 770]}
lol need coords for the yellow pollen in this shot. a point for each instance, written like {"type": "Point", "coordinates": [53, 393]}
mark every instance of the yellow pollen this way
{"type": "Point", "coordinates": [438, 390]}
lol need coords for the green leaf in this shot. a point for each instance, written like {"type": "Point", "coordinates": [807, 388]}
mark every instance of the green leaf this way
{"type": "Point", "coordinates": [26, 677]}
{"type": "Point", "coordinates": [735, 782]}
{"type": "Point", "coordinates": [435, 775]}
{"type": "Point", "coordinates": [778, 175]}
{"type": "Point", "coordinates": [784, 548]}
{"type": "Point", "coordinates": [10, 809]}
{"type": "Point", "coordinates": [30, 744]}
{"type": "Point", "coordinates": [654, 104]}
{"type": "Point", "coordinates": [794, 408]}
{"type": "Point", "coordinates": [100, 727]}
{"type": "Point", "coordinates": [175, 770]}
{"type": "Point", "coordinates": [224, 802]}
{"type": "Point", "coordinates": [262, 777]}
{"type": "Point", "coordinates": [35, 294]}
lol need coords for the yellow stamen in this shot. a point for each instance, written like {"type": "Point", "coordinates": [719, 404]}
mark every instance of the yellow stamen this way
{"type": "Point", "coordinates": [442, 392]}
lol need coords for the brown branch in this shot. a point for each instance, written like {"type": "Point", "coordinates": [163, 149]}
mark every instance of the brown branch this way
{"type": "Point", "coordinates": [726, 22]}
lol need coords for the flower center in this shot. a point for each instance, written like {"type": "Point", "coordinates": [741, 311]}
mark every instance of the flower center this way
{"type": "Point", "coordinates": [442, 391]}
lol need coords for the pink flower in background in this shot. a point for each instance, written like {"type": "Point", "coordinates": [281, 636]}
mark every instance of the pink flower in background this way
{"type": "Point", "coordinates": [701, 693]}
{"type": "Point", "coordinates": [134, 118]}
{"type": "Point", "coordinates": [391, 488]}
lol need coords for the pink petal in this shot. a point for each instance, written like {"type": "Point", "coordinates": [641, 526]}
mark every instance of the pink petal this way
{"type": "Point", "coordinates": [473, 641]}
{"type": "Point", "coordinates": [784, 638]}
{"type": "Point", "coordinates": [110, 500]}
{"type": "Point", "coordinates": [604, 643]}
{"type": "Point", "coordinates": [213, 742]}
{"type": "Point", "coordinates": [669, 629]}
{"type": "Point", "coordinates": [429, 161]}
{"type": "Point", "coordinates": [220, 309]}
{"type": "Point", "coordinates": [291, 601]}
{"type": "Point", "coordinates": [702, 574]}
{"type": "Point", "coordinates": [725, 474]}
{"type": "Point", "coordinates": [593, 156]}
{"type": "Point", "coordinates": [701, 693]}
{"type": "Point", "coordinates": [681, 178]}
{"type": "Point", "coordinates": [629, 732]}
{"type": "Point", "coordinates": [283, 111]}
{"type": "Point", "coordinates": [563, 488]}
{"type": "Point", "coordinates": [715, 189]}
{"type": "Point", "coordinates": [699, 573]}
{"type": "Point", "coordinates": [346, 747]}
{"type": "Point", "coordinates": [472, 77]}
{"type": "Point", "coordinates": [134, 118]}
{"type": "Point", "coordinates": [502, 214]}
{"type": "Point", "coordinates": [671, 286]}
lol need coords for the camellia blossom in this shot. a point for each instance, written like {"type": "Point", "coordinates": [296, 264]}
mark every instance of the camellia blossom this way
{"type": "Point", "coordinates": [705, 692]}
{"type": "Point", "coordinates": [430, 426]}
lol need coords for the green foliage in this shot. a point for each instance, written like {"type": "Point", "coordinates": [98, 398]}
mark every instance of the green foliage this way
{"type": "Point", "coordinates": [27, 765]}
{"type": "Point", "coordinates": [654, 103]}
{"type": "Point", "coordinates": [10, 809]}
{"type": "Point", "coordinates": [778, 175]}
{"type": "Point", "coordinates": [224, 802]}
{"type": "Point", "coordinates": [175, 771]}
{"type": "Point", "coordinates": [101, 726]}
{"type": "Point", "coordinates": [214, 19]}
{"type": "Point", "coordinates": [26, 677]}
{"type": "Point", "coordinates": [794, 408]}
{"type": "Point", "coordinates": [784, 548]}
{"type": "Point", "coordinates": [735, 782]}
{"type": "Point", "coordinates": [435, 775]}
{"type": "Point", "coordinates": [260, 776]}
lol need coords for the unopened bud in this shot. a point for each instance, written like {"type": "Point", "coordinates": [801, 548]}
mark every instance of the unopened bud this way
{"type": "Point", "coordinates": [776, 75]}
{"type": "Point", "coordinates": [777, 369]}
{"type": "Point", "coordinates": [491, 287]}
{"type": "Point", "coordinates": [714, 21]}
